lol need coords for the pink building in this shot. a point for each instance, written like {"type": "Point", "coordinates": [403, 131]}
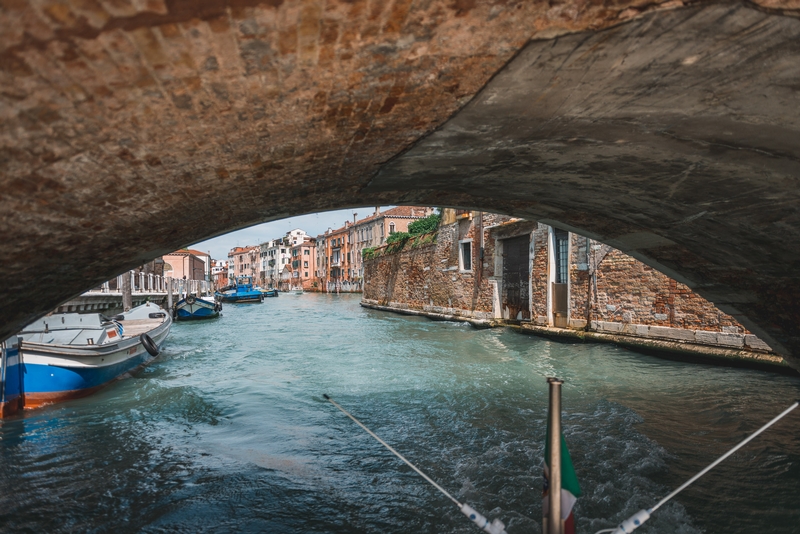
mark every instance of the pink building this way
{"type": "Point", "coordinates": [245, 262]}
{"type": "Point", "coordinates": [183, 264]}
{"type": "Point", "coordinates": [303, 256]}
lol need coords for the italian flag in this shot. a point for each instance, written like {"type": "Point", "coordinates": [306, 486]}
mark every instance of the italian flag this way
{"type": "Point", "coordinates": [570, 489]}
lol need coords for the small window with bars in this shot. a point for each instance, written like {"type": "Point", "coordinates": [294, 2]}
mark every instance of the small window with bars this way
{"type": "Point", "coordinates": [562, 256]}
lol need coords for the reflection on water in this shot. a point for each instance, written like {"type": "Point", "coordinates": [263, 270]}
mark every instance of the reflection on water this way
{"type": "Point", "coordinates": [227, 432]}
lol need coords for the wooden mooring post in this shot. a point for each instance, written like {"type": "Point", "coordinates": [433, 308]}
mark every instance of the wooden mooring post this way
{"type": "Point", "coordinates": [127, 296]}
{"type": "Point", "coordinates": [169, 294]}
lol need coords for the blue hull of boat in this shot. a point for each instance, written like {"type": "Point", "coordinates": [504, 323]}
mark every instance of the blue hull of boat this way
{"type": "Point", "coordinates": [65, 380]}
{"type": "Point", "coordinates": [10, 379]}
{"type": "Point", "coordinates": [54, 372]}
{"type": "Point", "coordinates": [204, 313]}
{"type": "Point", "coordinates": [243, 297]}
{"type": "Point", "coordinates": [198, 309]}
{"type": "Point", "coordinates": [245, 292]}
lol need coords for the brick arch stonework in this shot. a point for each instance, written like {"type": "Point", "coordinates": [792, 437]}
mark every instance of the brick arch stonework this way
{"type": "Point", "coordinates": [670, 131]}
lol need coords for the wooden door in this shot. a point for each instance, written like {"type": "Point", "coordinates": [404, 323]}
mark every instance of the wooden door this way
{"type": "Point", "coordinates": [516, 279]}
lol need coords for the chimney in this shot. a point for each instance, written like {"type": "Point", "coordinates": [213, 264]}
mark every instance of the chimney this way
{"type": "Point", "coordinates": [377, 210]}
{"type": "Point", "coordinates": [354, 217]}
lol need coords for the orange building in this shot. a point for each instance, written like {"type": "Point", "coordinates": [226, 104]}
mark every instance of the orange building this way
{"type": "Point", "coordinates": [302, 264]}
{"type": "Point", "coordinates": [336, 273]}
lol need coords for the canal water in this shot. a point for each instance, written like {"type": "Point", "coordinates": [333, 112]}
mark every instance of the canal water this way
{"type": "Point", "coordinates": [227, 431]}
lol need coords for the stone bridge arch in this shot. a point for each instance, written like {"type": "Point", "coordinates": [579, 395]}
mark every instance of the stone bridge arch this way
{"type": "Point", "coordinates": [133, 127]}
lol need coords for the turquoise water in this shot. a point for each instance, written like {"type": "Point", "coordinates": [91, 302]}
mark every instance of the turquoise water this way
{"type": "Point", "coordinates": [227, 431]}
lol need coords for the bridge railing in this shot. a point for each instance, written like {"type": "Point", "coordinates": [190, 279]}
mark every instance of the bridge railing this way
{"type": "Point", "coordinates": [152, 283]}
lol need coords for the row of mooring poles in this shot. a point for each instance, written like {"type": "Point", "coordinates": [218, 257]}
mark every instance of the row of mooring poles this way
{"type": "Point", "coordinates": [555, 525]}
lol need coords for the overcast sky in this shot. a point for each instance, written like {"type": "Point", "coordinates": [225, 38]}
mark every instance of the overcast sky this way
{"type": "Point", "coordinates": [314, 224]}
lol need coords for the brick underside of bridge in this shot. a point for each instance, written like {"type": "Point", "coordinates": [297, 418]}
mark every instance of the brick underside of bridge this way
{"type": "Point", "coordinates": [129, 129]}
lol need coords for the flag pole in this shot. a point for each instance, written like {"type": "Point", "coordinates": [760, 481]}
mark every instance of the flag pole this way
{"type": "Point", "coordinates": [554, 523]}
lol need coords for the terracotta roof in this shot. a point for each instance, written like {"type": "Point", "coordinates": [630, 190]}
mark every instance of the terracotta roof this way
{"type": "Point", "coordinates": [399, 211]}
{"type": "Point", "coordinates": [242, 250]}
{"type": "Point", "coordinates": [186, 252]}
{"type": "Point", "coordinates": [342, 229]}
{"type": "Point", "coordinates": [196, 252]}
{"type": "Point", "coordinates": [406, 211]}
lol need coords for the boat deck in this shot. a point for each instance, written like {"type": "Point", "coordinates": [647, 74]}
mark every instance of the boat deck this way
{"type": "Point", "coordinates": [137, 327]}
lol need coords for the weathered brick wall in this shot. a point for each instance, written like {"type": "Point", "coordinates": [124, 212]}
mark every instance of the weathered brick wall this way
{"type": "Point", "coordinates": [399, 277]}
{"type": "Point", "coordinates": [428, 278]}
{"type": "Point", "coordinates": [539, 275]}
{"type": "Point", "coordinates": [629, 291]}
{"type": "Point", "coordinates": [579, 280]}
{"type": "Point", "coordinates": [631, 298]}
{"type": "Point", "coordinates": [627, 297]}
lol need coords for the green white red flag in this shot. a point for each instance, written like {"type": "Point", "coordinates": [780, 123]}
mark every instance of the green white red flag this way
{"type": "Point", "coordinates": [570, 489]}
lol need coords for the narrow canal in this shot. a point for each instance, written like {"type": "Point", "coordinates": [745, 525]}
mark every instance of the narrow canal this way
{"type": "Point", "coordinates": [227, 432]}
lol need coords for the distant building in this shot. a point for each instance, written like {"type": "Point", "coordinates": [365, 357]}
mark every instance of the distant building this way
{"type": "Point", "coordinates": [372, 232]}
{"type": "Point", "coordinates": [205, 257]}
{"type": "Point", "coordinates": [285, 282]}
{"type": "Point", "coordinates": [336, 268]}
{"type": "Point", "coordinates": [271, 262]}
{"type": "Point", "coordinates": [303, 258]}
{"type": "Point", "coordinates": [245, 262]}
{"type": "Point", "coordinates": [276, 254]}
{"type": "Point", "coordinates": [184, 264]}
{"type": "Point", "coordinates": [294, 237]}
{"type": "Point", "coordinates": [321, 262]}
{"type": "Point", "coordinates": [219, 273]}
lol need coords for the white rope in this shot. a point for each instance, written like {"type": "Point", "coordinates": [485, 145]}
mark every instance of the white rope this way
{"type": "Point", "coordinates": [412, 466]}
{"type": "Point", "coordinates": [636, 520]}
{"type": "Point", "coordinates": [495, 527]}
{"type": "Point", "coordinates": [721, 458]}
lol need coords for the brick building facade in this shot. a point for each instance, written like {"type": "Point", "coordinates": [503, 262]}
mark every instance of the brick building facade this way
{"type": "Point", "coordinates": [494, 269]}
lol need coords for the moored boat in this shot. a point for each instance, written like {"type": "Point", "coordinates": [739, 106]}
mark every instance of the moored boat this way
{"type": "Point", "coordinates": [70, 355]}
{"type": "Point", "coordinates": [242, 293]}
{"type": "Point", "coordinates": [192, 307]}
{"type": "Point", "coordinates": [10, 377]}
{"type": "Point", "coordinates": [271, 292]}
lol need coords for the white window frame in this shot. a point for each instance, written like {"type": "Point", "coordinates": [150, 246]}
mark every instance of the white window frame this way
{"type": "Point", "coordinates": [461, 256]}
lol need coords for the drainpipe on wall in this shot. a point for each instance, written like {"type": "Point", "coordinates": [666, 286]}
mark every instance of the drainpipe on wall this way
{"type": "Point", "coordinates": [550, 276]}
{"type": "Point", "coordinates": [592, 283]}
{"type": "Point", "coordinates": [480, 252]}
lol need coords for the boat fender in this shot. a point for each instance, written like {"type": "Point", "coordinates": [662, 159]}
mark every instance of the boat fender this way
{"type": "Point", "coordinates": [149, 345]}
{"type": "Point", "coordinates": [495, 527]}
{"type": "Point", "coordinates": [190, 299]}
{"type": "Point", "coordinates": [633, 522]}
{"type": "Point", "coordinates": [157, 315]}
{"type": "Point", "coordinates": [119, 317]}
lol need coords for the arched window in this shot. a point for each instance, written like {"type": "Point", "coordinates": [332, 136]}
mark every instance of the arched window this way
{"type": "Point", "coordinates": [391, 228]}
